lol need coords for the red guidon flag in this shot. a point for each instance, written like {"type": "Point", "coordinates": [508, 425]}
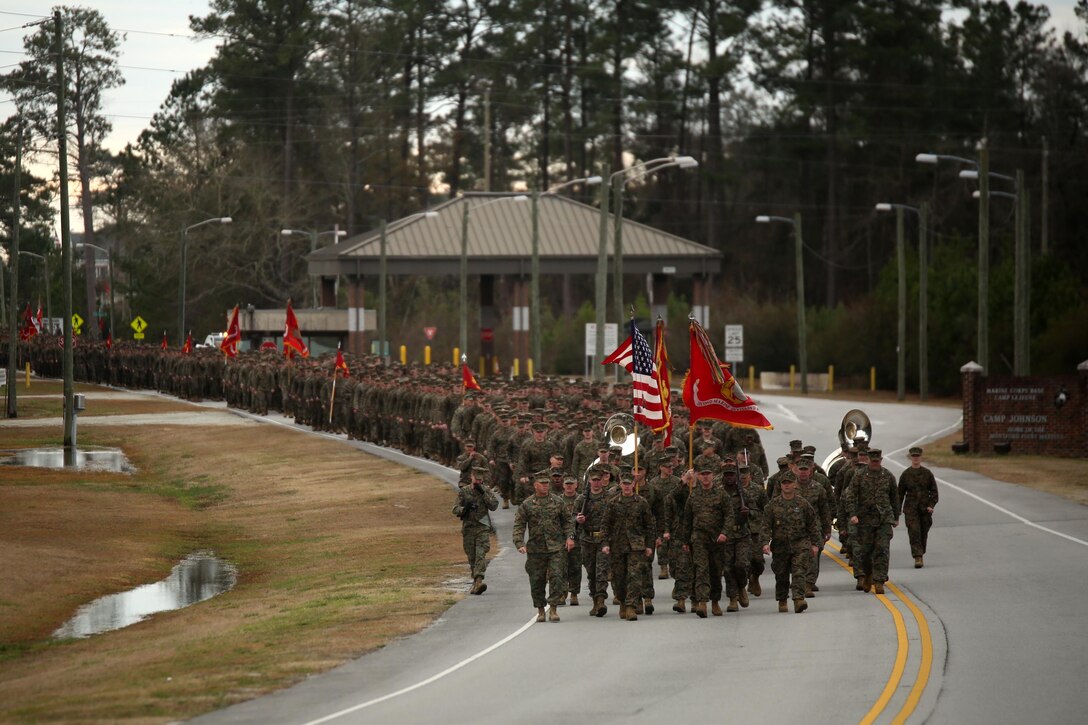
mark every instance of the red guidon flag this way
{"type": "Point", "coordinates": [188, 346]}
{"type": "Point", "coordinates": [292, 336]}
{"type": "Point", "coordinates": [29, 329]}
{"type": "Point", "coordinates": [229, 346]}
{"type": "Point", "coordinates": [661, 362]}
{"type": "Point", "coordinates": [711, 391]}
{"type": "Point", "coordinates": [341, 364]}
{"type": "Point", "coordinates": [164, 343]}
{"type": "Point", "coordinates": [468, 380]}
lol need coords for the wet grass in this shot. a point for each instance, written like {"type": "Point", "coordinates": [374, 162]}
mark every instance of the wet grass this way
{"type": "Point", "coordinates": [332, 563]}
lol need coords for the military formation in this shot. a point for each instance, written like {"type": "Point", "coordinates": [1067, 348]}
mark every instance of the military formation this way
{"type": "Point", "coordinates": [586, 511]}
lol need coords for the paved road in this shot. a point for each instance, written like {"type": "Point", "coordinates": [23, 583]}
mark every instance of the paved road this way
{"type": "Point", "coordinates": [990, 630]}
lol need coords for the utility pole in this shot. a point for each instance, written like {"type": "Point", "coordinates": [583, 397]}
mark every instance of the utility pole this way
{"type": "Point", "coordinates": [602, 277]}
{"type": "Point", "coordinates": [984, 258]}
{"type": "Point", "coordinates": [1044, 209]}
{"type": "Point", "coordinates": [801, 333]}
{"type": "Point", "coordinates": [66, 246]}
{"type": "Point", "coordinates": [1022, 282]}
{"type": "Point", "coordinates": [14, 264]}
{"type": "Point", "coordinates": [923, 301]}
{"type": "Point", "coordinates": [901, 326]}
{"type": "Point", "coordinates": [487, 139]}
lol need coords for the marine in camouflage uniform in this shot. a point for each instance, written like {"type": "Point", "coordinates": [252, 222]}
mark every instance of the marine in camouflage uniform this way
{"type": "Point", "coordinates": [533, 456]}
{"type": "Point", "coordinates": [756, 498]}
{"type": "Point", "coordinates": [680, 566]}
{"type": "Point", "coordinates": [736, 552]}
{"type": "Point", "coordinates": [473, 503]}
{"type": "Point", "coordinates": [872, 503]}
{"type": "Point", "coordinates": [574, 556]}
{"type": "Point", "coordinates": [663, 485]}
{"type": "Point", "coordinates": [589, 515]}
{"type": "Point", "coordinates": [917, 498]}
{"type": "Point", "coordinates": [551, 534]}
{"type": "Point", "coordinates": [791, 535]}
{"type": "Point", "coordinates": [628, 534]}
{"type": "Point", "coordinates": [815, 494]}
{"type": "Point", "coordinates": [707, 523]}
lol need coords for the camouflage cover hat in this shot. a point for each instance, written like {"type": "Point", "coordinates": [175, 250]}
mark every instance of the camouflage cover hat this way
{"type": "Point", "coordinates": [480, 470]}
{"type": "Point", "coordinates": [539, 426]}
{"type": "Point", "coordinates": [806, 463]}
{"type": "Point", "coordinates": [915, 451]}
{"type": "Point", "coordinates": [557, 473]}
{"type": "Point", "coordinates": [875, 453]}
{"type": "Point", "coordinates": [795, 445]}
{"type": "Point", "coordinates": [570, 479]}
{"type": "Point", "coordinates": [809, 449]}
{"type": "Point", "coordinates": [671, 449]}
{"type": "Point", "coordinates": [704, 467]}
{"type": "Point", "coordinates": [783, 461]}
{"type": "Point", "coordinates": [729, 468]}
{"type": "Point", "coordinates": [542, 478]}
{"type": "Point", "coordinates": [789, 476]}
{"type": "Point", "coordinates": [469, 442]}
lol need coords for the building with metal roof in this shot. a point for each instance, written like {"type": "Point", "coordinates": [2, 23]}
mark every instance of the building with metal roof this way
{"type": "Point", "coordinates": [498, 246]}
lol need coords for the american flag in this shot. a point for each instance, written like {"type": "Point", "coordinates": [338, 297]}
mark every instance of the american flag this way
{"type": "Point", "coordinates": [647, 388]}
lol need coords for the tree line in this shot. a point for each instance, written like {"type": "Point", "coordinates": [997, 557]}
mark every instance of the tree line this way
{"type": "Point", "coordinates": [321, 112]}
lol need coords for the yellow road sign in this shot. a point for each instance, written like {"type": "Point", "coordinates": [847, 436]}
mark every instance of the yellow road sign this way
{"type": "Point", "coordinates": [77, 322]}
{"type": "Point", "coordinates": [137, 336]}
{"type": "Point", "coordinates": [139, 325]}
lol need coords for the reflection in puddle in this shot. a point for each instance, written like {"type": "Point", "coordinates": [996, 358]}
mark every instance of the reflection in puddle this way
{"type": "Point", "coordinates": [106, 459]}
{"type": "Point", "coordinates": [197, 577]}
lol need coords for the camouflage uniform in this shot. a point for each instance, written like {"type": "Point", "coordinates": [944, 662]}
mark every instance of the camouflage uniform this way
{"type": "Point", "coordinates": [591, 534]}
{"type": "Point", "coordinates": [792, 529]}
{"type": "Point", "coordinates": [708, 513]}
{"type": "Point", "coordinates": [873, 499]}
{"type": "Point", "coordinates": [549, 527]}
{"type": "Point", "coordinates": [736, 552]}
{"type": "Point", "coordinates": [473, 503]}
{"type": "Point", "coordinates": [679, 560]}
{"type": "Point", "coordinates": [628, 531]}
{"type": "Point", "coordinates": [574, 556]}
{"type": "Point", "coordinates": [917, 492]}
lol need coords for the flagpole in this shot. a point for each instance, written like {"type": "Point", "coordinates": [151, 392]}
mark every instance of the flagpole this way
{"type": "Point", "coordinates": [637, 487]}
{"type": "Point", "coordinates": [332, 397]}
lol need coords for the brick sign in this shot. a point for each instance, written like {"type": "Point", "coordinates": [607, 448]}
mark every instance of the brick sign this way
{"type": "Point", "coordinates": [1033, 415]}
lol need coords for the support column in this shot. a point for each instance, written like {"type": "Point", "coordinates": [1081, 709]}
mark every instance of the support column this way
{"type": "Point", "coordinates": [660, 286]}
{"type": "Point", "coordinates": [489, 318]}
{"type": "Point", "coordinates": [356, 327]}
{"type": "Point", "coordinates": [700, 296]}
{"type": "Point", "coordinates": [519, 343]}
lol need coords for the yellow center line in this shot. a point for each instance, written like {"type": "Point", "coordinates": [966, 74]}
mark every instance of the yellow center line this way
{"type": "Point", "coordinates": [924, 667]}
{"type": "Point", "coordinates": [903, 646]}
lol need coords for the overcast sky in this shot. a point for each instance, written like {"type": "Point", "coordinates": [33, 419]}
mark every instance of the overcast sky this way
{"type": "Point", "coordinates": [151, 60]}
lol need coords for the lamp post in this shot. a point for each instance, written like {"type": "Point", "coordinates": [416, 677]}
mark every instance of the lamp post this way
{"type": "Point", "coordinates": [634, 173]}
{"type": "Point", "coordinates": [337, 233]}
{"type": "Point", "coordinates": [383, 275]}
{"type": "Point", "coordinates": [464, 259]}
{"type": "Point", "coordinates": [802, 345]}
{"type": "Point", "coordinates": [534, 285]}
{"type": "Point", "coordinates": [48, 304]}
{"type": "Point", "coordinates": [638, 171]}
{"type": "Point", "coordinates": [1022, 267]}
{"type": "Point", "coordinates": [181, 286]}
{"type": "Point", "coordinates": [982, 168]}
{"type": "Point", "coordinates": [109, 262]}
{"type": "Point", "coordinates": [900, 256]}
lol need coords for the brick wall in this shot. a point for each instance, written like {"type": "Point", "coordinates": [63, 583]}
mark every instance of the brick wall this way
{"type": "Point", "coordinates": [1033, 414]}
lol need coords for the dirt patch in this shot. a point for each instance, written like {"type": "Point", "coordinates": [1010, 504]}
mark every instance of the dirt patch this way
{"type": "Point", "coordinates": [1067, 477]}
{"type": "Point", "coordinates": [338, 553]}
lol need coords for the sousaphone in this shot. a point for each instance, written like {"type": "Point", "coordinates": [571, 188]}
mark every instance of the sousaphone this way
{"type": "Point", "coordinates": [856, 426]}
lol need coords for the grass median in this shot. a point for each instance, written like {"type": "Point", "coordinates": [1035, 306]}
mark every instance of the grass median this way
{"type": "Point", "coordinates": [338, 553]}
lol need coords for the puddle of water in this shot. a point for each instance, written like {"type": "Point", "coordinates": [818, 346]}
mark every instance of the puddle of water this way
{"type": "Point", "coordinates": [197, 577]}
{"type": "Point", "coordinates": [106, 459]}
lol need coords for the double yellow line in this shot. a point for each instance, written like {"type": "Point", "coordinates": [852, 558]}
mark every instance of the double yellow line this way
{"type": "Point", "coordinates": [925, 665]}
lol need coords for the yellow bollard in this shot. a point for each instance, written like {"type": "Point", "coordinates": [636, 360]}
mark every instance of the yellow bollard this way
{"type": "Point", "coordinates": [28, 375]}
{"type": "Point", "coordinates": [403, 354]}
{"type": "Point", "coordinates": [831, 378]}
{"type": "Point", "coordinates": [456, 356]}
{"type": "Point", "coordinates": [872, 379]}
{"type": "Point", "coordinates": [483, 370]}
{"type": "Point", "coordinates": [793, 371]}
{"type": "Point", "coordinates": [516, 369]}
{"type": "Point", "coordinates": [751, 377]}
{"type": "Point", "coordinates": [427, 355]}
{"type": "Point", "coordinates": [529, 365]}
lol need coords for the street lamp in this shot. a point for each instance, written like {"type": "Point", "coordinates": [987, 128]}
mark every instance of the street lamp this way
{"type": "Point", "coordinates": [383, 276]}
{"type": "Point", "coordinates": [638, 171]}
{"type": "Point", "coordinates": [982, 169]}
{"type": "Point", "coordinates": [337, 233]}
{"type": "Point", "coordinates": [802, 345]}
{"type": "Point", "coordinates": [923, 312]}
{"type": "Point", "coordinates": [464, 258]}
{"type": "Point", "coordinates": [184, 244]}
{"type": "Point", "coordinates": [48, 305]}
{"type": "Point", "coordinates": [109, 262]}
{"type": "Point", "coordinates": [534, 285]}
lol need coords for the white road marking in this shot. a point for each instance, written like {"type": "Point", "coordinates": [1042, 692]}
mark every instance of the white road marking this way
{"type": "Point", "coordinates": [429, 680]}
{"type": "Point", "coordinates": [978, 498]}
{"type": "Point", "coordinates": [787, 413]}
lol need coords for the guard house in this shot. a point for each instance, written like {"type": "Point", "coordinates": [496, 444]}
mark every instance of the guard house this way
{"type": "Point", "coordinates": [499, 252]}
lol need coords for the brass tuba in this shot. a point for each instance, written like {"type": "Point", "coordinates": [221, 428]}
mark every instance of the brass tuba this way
{"type": "Point", "coordinates": [855, 426]}
{"type": "Point", "coordinates": [619, 430]}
